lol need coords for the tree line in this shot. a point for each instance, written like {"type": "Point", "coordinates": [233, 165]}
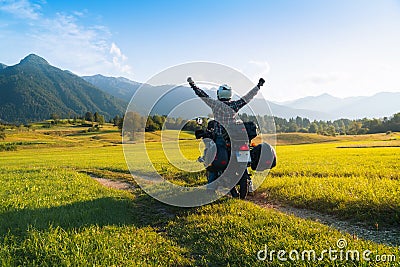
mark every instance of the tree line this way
{"type": "Point", "coordinates": [332, 128]}
{"type": "Point", "coordinates": [95, 117]}
{"type": "Point", "coordinates": [267, 124]}
{"type": "Point", "coordinates": [135, 122]}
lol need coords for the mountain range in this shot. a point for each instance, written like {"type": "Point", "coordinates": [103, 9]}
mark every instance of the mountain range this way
{"type": "Point", "coordinates": [322, 107]}
{"type": "Point", "coordinates": [33, 89]}
{"type": "Point", "coordinates": [380, 105]}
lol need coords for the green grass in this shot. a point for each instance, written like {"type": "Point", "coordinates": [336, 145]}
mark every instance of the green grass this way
{"type": "Point", "coordinates": [357, 199]}
{"type": "Point", "coordinates": [60, 217]}
{"type": "Point", "coordinates": [231, 233]}
{"type": "Point", "coordinates": [53, 214]}
{"type": "Point", "coordinates": [92, 246]}
{"type": "Point", "coordinates": [295, 138]}
{"type": "Point", "coordinates": [358, 184]}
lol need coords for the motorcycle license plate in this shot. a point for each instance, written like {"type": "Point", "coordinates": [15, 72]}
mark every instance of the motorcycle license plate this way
{"type": "Point", "coordinates": [242, 156]}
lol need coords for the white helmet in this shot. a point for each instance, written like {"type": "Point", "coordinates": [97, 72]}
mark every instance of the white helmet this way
{"type": "Point", "coordinates": [224, 92]}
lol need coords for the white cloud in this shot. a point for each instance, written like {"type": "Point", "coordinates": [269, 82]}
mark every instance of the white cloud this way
{"type": "Point", "coordinates": [115, 50]}
{"type": "Point", "coordinates": [21, 8]}
{"type": "Point", "coordinates": [119, 59]}
{"type": "Point", "coordinates": [66, 42]}
{"type": "Point", "coordinates": [80, 13]}
{"type": "Point", "coordinates": [322, 78]}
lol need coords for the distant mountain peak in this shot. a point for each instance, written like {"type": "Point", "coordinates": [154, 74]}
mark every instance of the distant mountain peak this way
{"type": "Point", "coordinates": [34, 59]}
{"type": "Point", "coordinates": [327, 95]}
{"type": "Point", "coordinates": [322, 96]}
{"type": "Point", "coordinates": [98, 76]}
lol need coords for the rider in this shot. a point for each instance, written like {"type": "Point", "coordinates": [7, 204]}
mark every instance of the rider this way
{"type": "Point", "coordinates": [225, 113]}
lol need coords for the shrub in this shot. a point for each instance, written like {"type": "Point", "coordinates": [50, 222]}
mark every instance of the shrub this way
{"type": "Point", "coordinates": [2, 132]}
{"type": "Point", "coordinates": [8, 147]}
{"type": "Point", "coordinates": [93, 129]}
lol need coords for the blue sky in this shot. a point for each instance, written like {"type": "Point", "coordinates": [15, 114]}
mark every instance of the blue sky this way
{"type": "Point", "coordinates": [310, 47]}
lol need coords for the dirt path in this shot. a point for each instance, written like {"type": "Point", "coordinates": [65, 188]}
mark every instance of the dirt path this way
{"type": "Point", "coordinates": [389, 237]}
{"type": "Point", "coordinates": [121, 185]}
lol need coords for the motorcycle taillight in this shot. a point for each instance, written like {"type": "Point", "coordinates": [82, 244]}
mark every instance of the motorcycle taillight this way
{"type": "Point", "coordinates": [244, 147]}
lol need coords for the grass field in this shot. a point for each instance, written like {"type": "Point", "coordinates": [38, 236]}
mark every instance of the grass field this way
{"type": "Point", "coordinates": [52, 213]}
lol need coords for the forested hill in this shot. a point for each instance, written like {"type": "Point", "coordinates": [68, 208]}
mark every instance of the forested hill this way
{"type": "Point", "coordinates": [33, 90]}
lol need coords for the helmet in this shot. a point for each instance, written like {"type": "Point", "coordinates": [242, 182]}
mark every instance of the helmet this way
{"type": "Point", "coordinates": [224, 92]}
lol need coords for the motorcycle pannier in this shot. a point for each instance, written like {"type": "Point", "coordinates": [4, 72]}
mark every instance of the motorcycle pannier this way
{"type": "Point", "coordinates": [221, 158]}
{"type": "Point", "coordinates": [263, 157]}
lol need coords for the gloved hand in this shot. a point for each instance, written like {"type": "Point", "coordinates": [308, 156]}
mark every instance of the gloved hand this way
{"type": "Point", "coordinates": [190, 81]}
{"type": "Point", "coordinates": [261, 82]}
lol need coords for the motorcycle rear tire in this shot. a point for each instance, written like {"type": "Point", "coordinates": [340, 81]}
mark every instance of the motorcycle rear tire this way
{"type": "Point", "coordinates": [243, 190]}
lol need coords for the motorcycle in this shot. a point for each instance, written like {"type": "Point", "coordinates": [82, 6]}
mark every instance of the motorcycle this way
{"type": "Point", "coordinates": [219, 151]}
{"type": "Point", "coordinates": [228, 154]}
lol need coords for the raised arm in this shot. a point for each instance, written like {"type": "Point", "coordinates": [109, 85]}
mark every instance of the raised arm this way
{"type": "Point", "coordinates": [200, 93]}
{"type": "Point", "coordinates": [249, 96]}
{"type": "Point", "coordinates": [197, 90]}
